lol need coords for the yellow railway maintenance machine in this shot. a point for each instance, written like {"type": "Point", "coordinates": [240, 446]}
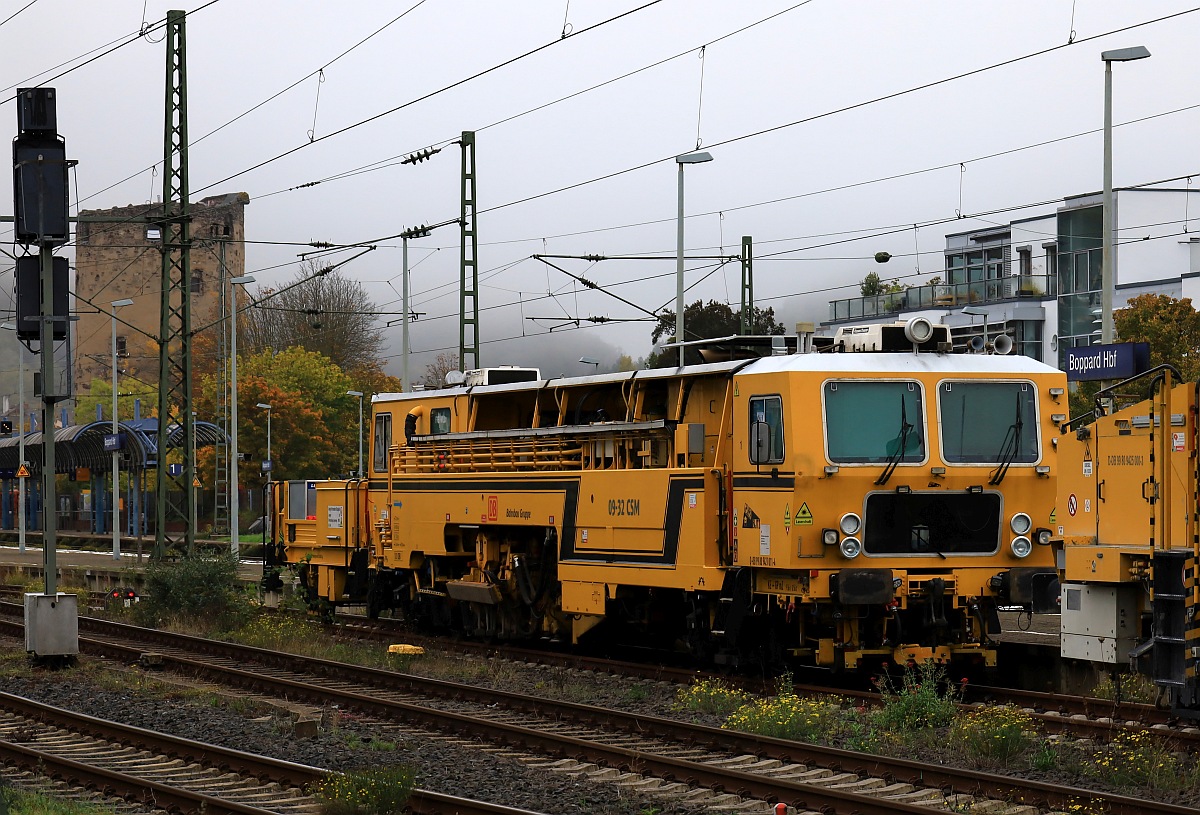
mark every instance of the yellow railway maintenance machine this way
{"type": "Point", "coordinates": [875, 502]}
{"type": "Point", "coordinates": [1127, 520]}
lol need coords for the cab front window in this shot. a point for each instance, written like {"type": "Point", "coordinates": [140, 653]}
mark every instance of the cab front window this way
{"type": "Point", "coordinates": [988, 422]}
{"type": "Point", "coordinates": [874, 422]}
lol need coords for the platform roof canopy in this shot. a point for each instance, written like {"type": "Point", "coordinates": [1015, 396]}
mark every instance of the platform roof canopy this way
{"type": "Point", "coordinates": [82, 446]}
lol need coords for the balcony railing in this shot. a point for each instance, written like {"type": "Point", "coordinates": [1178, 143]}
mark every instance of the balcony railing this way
{"type": "Point", "coordinates": [944, 295]}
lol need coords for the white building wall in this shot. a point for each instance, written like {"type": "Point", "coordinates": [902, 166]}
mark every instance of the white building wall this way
{"type": "Point", "coordinates": [1149, 242]}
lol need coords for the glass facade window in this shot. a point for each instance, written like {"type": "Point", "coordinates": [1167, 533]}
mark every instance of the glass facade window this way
{"type": "Point", "coordinates": [988, 422]}
{"type": "Point", "coordinates": [872, 422]}
{"type": "Point", "coordinates": [1078, 262]}
{"type": "Point", "coordinates": [769, 409]}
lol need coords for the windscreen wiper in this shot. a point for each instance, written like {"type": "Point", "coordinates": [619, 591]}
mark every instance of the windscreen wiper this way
{"type": "Point", "coordinates": [895, 457]}
{"type": "Point", "coordinates": [1009, 448]}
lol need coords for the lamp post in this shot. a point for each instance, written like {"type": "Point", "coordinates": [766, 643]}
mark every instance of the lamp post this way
{"type": "Point", "coordinates": [973, 312]}
{"type": "Point", "coordinates": [686, 158]}
{"type": "Point", "coordinates": [234, 462]}
{"type": "Point", "coordinates": [268, 465]}
{"type": "Point", "coordinates": [116, 474]}
{"type": "Point", "coordinates": [359, 394]}
{"type": "Point", "coordinates": [20, 440]}
{"type": "Point", "coordinates": [1107, 272]}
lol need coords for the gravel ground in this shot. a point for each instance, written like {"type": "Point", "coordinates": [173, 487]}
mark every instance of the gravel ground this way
{"type": "Point", "coordinates": [441, 766]}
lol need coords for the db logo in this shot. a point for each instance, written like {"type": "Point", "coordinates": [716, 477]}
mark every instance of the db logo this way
{"type": "Point", "coordinates": [493, 507]}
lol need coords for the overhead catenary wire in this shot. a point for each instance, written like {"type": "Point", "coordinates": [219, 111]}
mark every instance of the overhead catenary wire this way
{"type": "Point", "coordinates": [430, 95]}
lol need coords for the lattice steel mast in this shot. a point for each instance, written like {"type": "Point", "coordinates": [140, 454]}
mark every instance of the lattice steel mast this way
{"type": "Point", "coordinates": [175, 523]}
{"type": "Point", "coordinates": [468, 299]}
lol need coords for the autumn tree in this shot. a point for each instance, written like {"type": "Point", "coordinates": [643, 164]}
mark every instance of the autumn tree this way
{"type": "Point", "coordinates": [435, 372]}
{"type": "Point", "coordinates": [1169, 326]}
{"type": "Point", "coordinates": [705, 321]}
{"type": "Point", "coordinates": [319, 310]}
{"type": "Point", "coordinates": [314, 423]}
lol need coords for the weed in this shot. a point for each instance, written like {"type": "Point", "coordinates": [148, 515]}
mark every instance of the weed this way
{"type": "Point", "coordinates": [201, 589]}
{"type": "Point", "coordinates": [789, 717]}
{"type": "Point", "coordinates": [997, 733]}
{"type": "Point", "coordinates": [713, 696]}
{"type": "Point", "coordinates": [923, 701]}
{"type": "Point", "coordinates": [636, 693]}
{"type": "Point", "coordinates": [1135, 760]}
{"type": "Point", "coordinates": [1045, 757]}
{"type": "Point", "coordinates": [1117, 687]}
{"type": "Point", "coordinates": [379, 791]}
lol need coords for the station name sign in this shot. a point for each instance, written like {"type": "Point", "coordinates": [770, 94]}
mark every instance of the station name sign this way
{"type": "Point", "coordinates": [1114, 361]}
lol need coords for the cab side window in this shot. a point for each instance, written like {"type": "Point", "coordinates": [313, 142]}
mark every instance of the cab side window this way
{"type": "Point", "coordinates": [766, 430]}
{"type": "Point", "coordinates": [381, 442]}
{"type": "Point", "coordinates": [439, 421]}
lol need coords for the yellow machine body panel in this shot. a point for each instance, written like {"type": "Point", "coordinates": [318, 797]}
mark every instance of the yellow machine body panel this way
{"type": "Point", "coordinates": [833, 507]}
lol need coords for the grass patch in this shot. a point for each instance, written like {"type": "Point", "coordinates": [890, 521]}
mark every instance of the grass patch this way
{"type": "Point", "coordinates": [369, 792]}
{"type": "Point", "coordinates": [18, 802]}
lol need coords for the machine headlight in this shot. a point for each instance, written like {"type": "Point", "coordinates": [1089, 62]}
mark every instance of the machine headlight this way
{"type": "Point", "coordinates": [850, 547]}
{"type": "Point", "coordinates": [850, 523]}
{"type": "Point", "coordinates": [1021, 524]}
{"type": "Point", "coordinates": [1042, 537]}
{"type": "Point", "coordinates": [829, 537]}
{"type": "Point", "coordinates": [1021, 546]}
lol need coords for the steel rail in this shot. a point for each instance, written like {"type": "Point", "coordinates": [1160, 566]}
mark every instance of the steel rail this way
{"type": "Point", "coordinates": [892, 769]}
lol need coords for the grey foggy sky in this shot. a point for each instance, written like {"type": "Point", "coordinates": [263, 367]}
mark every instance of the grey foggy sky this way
{"type": "Point", "coordinates": [812, 59]}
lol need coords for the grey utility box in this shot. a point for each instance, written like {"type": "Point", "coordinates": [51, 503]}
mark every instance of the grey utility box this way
{"type": "Point", "coordinates": [1099, 622]}
{"type": "Point", "coordinates": [52, 624]}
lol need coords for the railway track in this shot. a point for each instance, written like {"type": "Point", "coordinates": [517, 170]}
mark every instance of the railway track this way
{"type": "Point", "coordinates": [1076, 716]}
{"type": "Point", "coordinates": [164, 772]}
{"type": "Point", "coordinates": [808, 777]}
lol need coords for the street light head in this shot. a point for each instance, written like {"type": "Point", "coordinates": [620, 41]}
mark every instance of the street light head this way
{"type": "Point", "coordinates": [974, 312]}
{"type": "Point", "coordinates": [589, 361]}
{"type": "Point", "coordinates": [1125, 54]}
{"type": "Point", "coordinates": [693, 158]}
{"type": "Point", "coordinates": [125, 301]}
{"type": "Point", "coordinates": [355, 393]}
{"type": "Point", "coordinates": [242, 281]}
{"type": "Point", "coordinates": [263, 406]}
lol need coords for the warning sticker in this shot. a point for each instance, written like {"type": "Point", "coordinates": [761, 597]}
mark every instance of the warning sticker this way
{"type": "Point", "coordinates": [22, 472]}
{"type": "Point", "coordinates": [1053, 516]}
{"type": "Point", "coordinates": [803, 516]}
{"type": "Point", "coordinates": [787, 517]}
{"type": "Point", "coordinates": [1072, 505]}
{"type": "Point", "coordinates": [764, 539]}
{"type": "Point", "coordinates": [1087, 468]}
{"type": "Point", "coordinates": [1177, 442]}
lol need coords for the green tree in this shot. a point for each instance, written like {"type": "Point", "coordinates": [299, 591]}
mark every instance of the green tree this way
{"type": "Point", "coordinates": [873, 284]}
{"type": "Point", "coordinates": [705, 321]}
